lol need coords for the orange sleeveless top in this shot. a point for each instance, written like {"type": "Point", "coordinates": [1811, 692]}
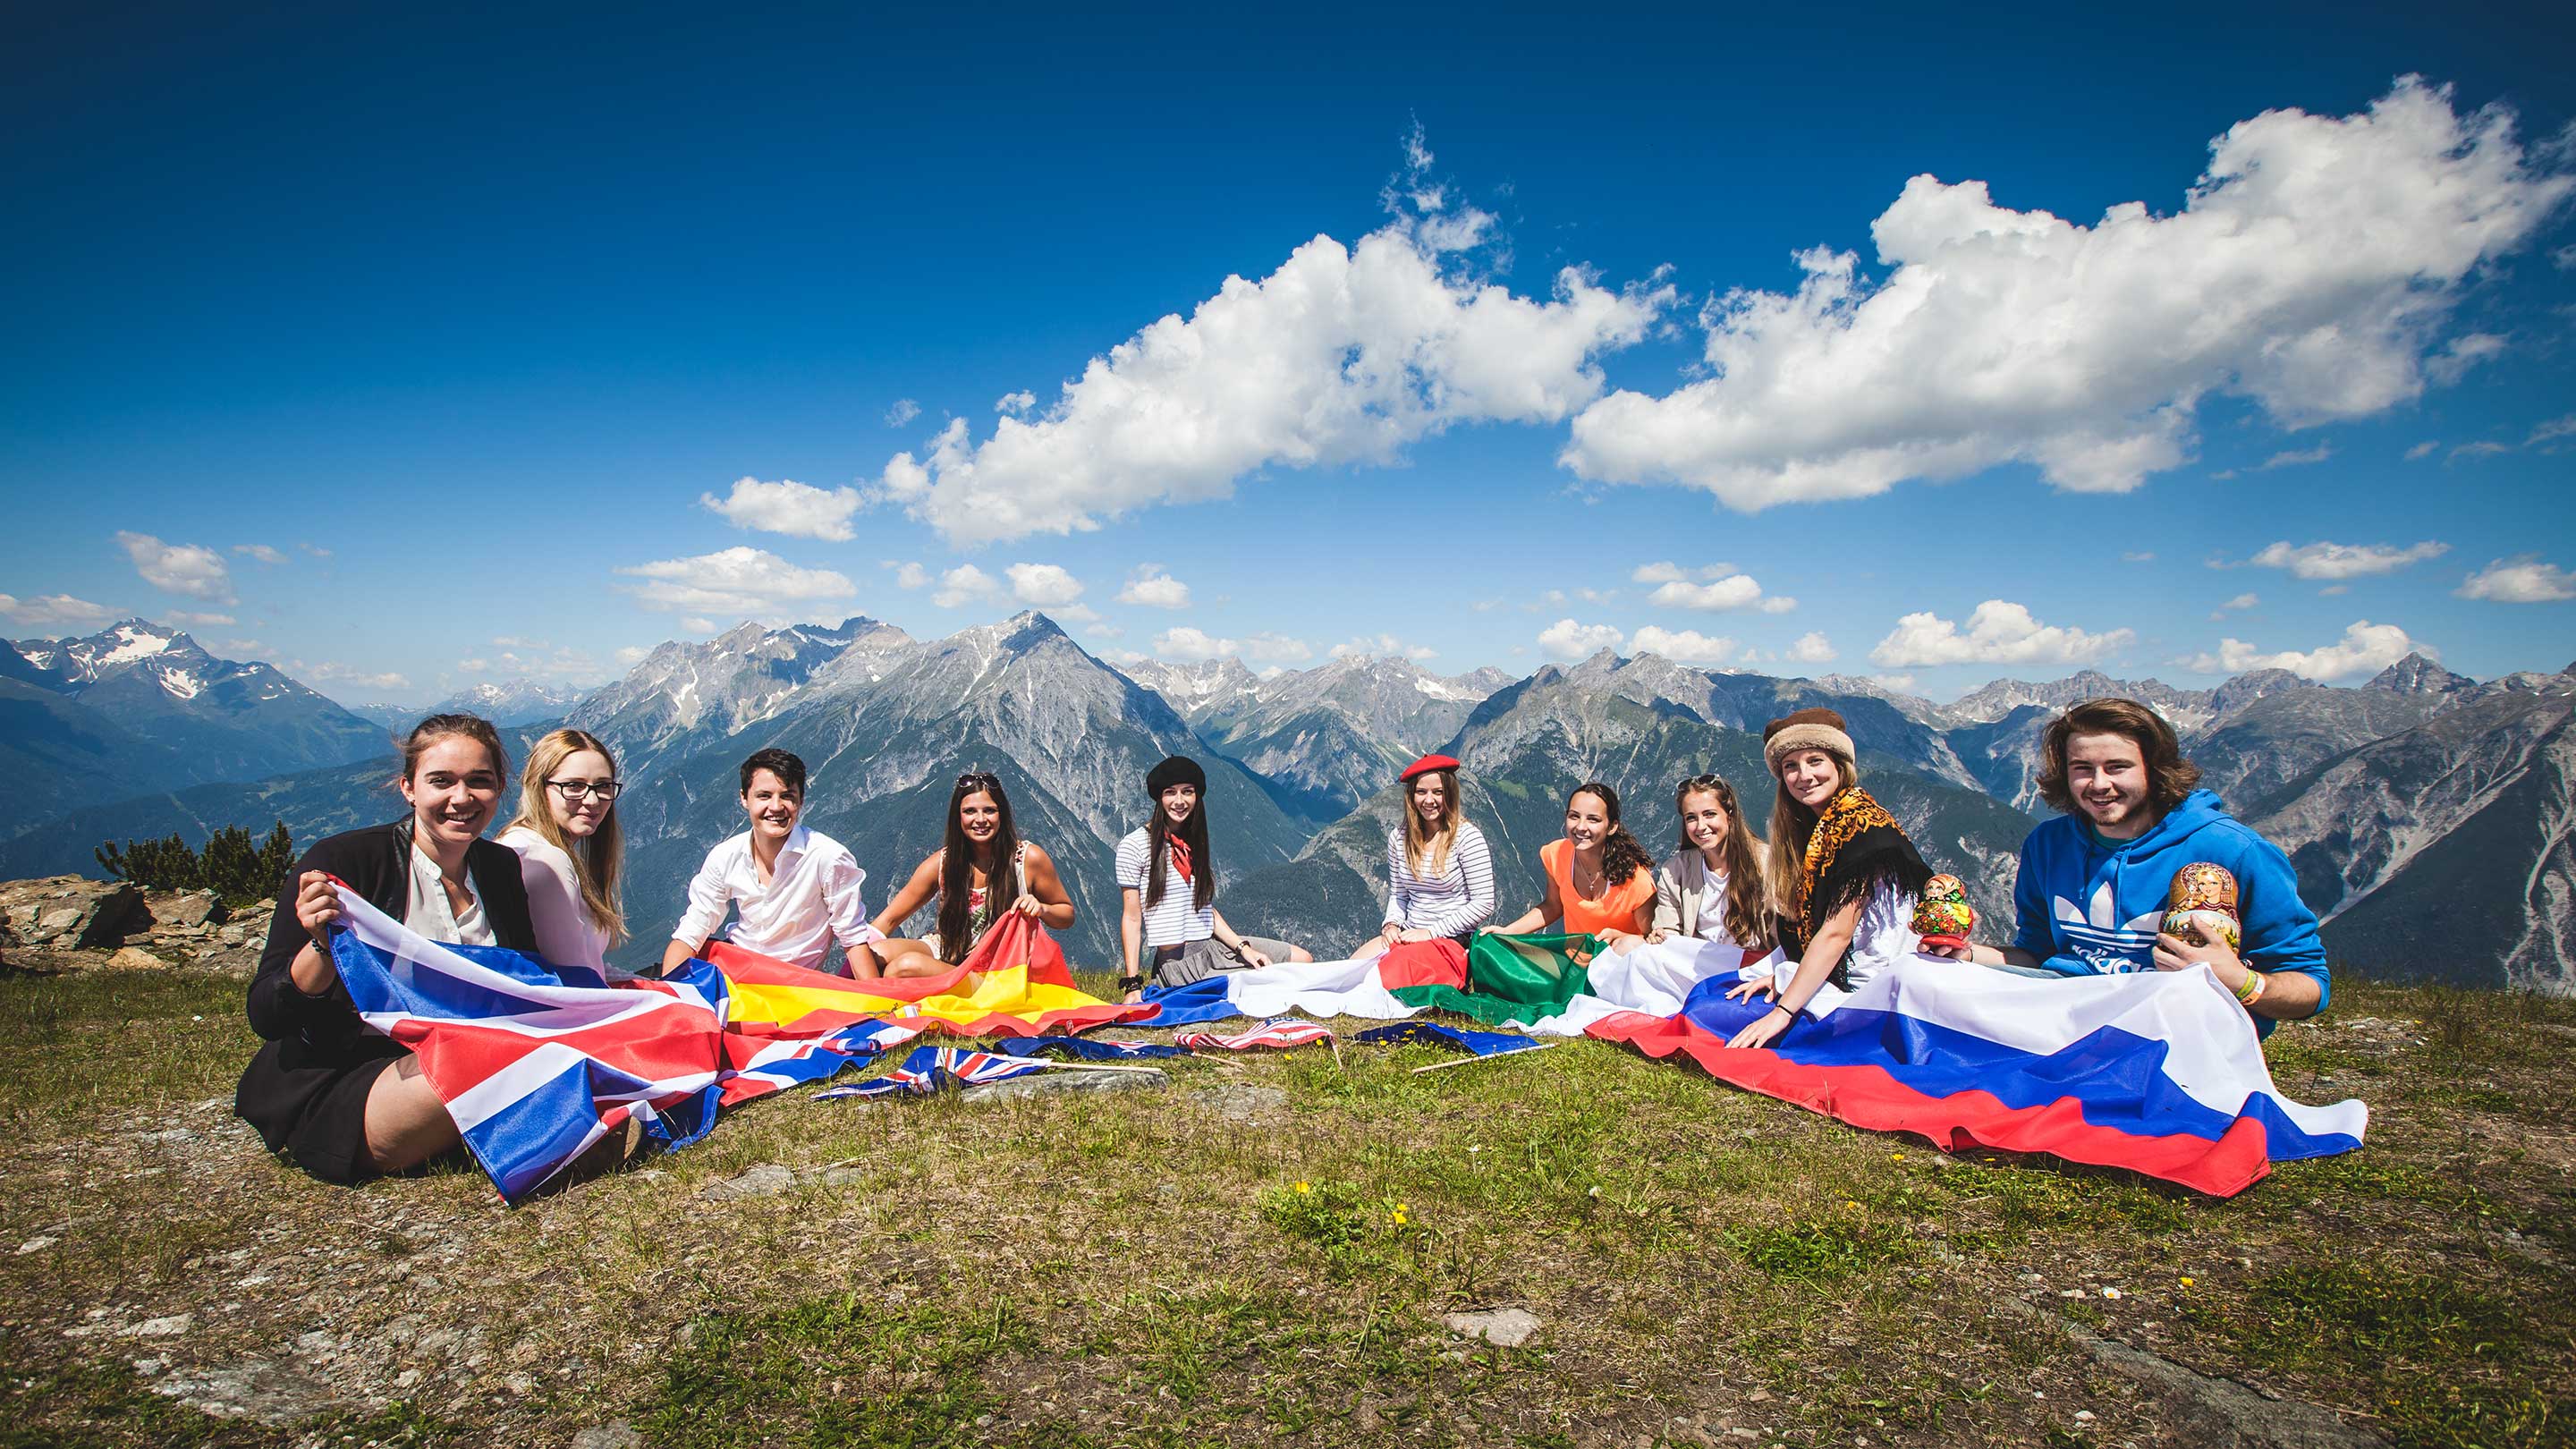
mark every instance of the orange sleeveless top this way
{"type": "Point", "coordinates": [1618, 905]}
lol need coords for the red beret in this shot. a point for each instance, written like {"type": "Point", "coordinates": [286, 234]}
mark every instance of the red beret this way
{"type": "Point", "coordinates": [1426, 765]}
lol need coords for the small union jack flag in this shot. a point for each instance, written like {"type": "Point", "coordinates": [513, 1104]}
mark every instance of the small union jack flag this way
{"type": "Point", "coordinates": [930, 1068]}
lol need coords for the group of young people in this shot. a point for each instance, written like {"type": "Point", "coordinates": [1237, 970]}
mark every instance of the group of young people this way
{"type": "Point", "coordinates": [1833, 888]}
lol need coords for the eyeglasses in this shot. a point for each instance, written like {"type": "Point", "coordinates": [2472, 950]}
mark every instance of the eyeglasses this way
{"type": "Point", "coordinates": [584, 789]}
{"type": "Point", "coordinates": [977, 778]}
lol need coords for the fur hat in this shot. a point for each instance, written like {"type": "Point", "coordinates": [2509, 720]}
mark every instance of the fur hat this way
{"type": "Point", "coordinates": [1177, 770]}
{"type": "Point", "coordinates": [1807, 729]}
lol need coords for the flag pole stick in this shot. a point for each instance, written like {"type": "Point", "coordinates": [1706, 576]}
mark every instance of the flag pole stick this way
{"type": "Point", "coordinates": [1491, 1057]}
{"type": "Point", "coordinates": [1089, 1066]}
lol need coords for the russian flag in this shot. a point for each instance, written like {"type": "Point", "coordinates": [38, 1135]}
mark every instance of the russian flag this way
{"type": "Point", "coordinates": [2157, 1072]}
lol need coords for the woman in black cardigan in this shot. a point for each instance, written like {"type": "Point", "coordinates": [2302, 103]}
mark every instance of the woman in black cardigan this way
{"type": "Point", "coordinates": [337, 1100]}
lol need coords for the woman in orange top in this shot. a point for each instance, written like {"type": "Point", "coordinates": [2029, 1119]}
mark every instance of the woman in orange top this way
{"type": "Point", "coordinates": [1598, 879]}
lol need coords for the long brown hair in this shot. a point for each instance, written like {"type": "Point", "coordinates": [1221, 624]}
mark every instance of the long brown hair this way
{"type": "Point", "coordinates": [2170, 777]}
{"type": "Point", "coordinates": [957, 922]}
{"type": "Point", "coordinates": [1748, 914]}
{"type": "Point", "coordinates": [1792, 826]}
{"type": "Point", "coordinates": [1420, 841]}
{"type": "Point", "coordinates": [1622, 854]}
{"type": "Point", "coordinates": [1194, 834]}
{"type": "Point", "coordinates": [595, 860]}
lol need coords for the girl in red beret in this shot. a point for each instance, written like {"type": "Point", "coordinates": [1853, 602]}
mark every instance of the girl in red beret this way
{"type": "Point", "coordinates": [1439, 875]}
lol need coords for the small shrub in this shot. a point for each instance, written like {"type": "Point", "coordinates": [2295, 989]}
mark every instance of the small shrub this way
{"type": "Point", "coordinates": [237, 871]}
{"type": "Point", "coordinates": [1820, 1251]}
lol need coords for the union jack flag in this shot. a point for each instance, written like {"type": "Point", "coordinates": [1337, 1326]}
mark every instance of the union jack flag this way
{"type": "Point", "coordinates": [930, 1068]}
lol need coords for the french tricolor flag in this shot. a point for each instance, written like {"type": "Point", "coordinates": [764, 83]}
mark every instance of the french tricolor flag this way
{"type": "Point", "coordinates": [2156, 1072]}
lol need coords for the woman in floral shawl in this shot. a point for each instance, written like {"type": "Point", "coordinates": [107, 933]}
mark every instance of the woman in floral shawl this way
{"type": "Point", "coordinates": [1843, 876]}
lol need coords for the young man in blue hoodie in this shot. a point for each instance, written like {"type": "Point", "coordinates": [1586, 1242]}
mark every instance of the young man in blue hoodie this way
{"type": "Point", "coordinates": [2093, 884]}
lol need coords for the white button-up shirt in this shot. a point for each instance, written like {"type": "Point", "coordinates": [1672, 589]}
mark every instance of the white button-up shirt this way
{"type": "Point", "coordinates": [810, 899]}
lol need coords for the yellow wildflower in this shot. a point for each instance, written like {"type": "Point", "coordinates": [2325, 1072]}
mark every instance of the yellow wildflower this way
{"type": "Point", "coordinates": [1305, 1187]}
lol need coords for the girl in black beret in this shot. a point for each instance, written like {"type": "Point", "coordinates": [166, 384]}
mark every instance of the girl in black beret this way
{"type": "Point", "coordinates": [1167, 875]}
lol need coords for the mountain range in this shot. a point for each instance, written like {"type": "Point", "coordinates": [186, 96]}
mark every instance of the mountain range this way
{"type": "Point", "coordinates": [2428, 815]}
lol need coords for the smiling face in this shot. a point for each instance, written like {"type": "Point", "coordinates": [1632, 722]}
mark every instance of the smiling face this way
{"type": "Point", "coordinates": [1431, 797]}
{"type": "Point", "coordinates": [582, 770]}
{"type": "Point", "coordinates": [1587, 820]}
{"type": "Point", "coordinates": [1705, 822]}
{"type": "Point", "coordinates": [980, 817]}
{"type": "Point", "coordinates": [1178, 802]}
{"type": "Point", "coordinates": [1812, 777]}
{"type": "Point", "coordinates": [2107, 775]}
{"type": "Point", "coordinates": [453, 789]}
{"type": "Point", "coordinates": [773, 806]}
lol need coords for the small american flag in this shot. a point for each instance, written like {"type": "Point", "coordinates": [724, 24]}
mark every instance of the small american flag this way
{"type": "Point", "coordinates": [1278, 1031]}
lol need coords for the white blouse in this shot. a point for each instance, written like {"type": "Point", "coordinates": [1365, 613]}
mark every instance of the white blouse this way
{"type": "Point", "coordinates": [566, 935]}
{"type": "Point", "coordinates": [426, 910]}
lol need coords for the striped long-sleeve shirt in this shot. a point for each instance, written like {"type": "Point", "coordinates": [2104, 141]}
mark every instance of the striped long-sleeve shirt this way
{"type": "Point", "coordinates": [1452, 903]}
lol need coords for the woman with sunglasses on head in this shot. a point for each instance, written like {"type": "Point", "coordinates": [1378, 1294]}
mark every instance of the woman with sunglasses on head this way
{"type": "Point", "coordinates": [338, 1100]}
{"type": "Point", "coordinates": [570, 849]}
{"type": "Point", "coordinates": [981, 871]}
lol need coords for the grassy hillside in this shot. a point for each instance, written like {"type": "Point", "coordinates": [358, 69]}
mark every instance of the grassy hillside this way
{"type": "Point", "coordinates": [1704, 1266]}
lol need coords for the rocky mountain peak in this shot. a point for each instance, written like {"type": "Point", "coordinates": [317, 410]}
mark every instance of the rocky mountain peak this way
{"type": "Point", "coordinates": [2416, 674]}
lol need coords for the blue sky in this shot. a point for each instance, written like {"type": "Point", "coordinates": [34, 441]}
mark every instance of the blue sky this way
{"type": "Point", "coordinates": [484, 307]}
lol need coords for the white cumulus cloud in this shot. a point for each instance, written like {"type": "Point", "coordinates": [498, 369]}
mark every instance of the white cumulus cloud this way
{"type": "Point", "coordinates": [1813, 648]}
{"type": "Point", "coordinates": [260, 552]}
{"type": "Point", "coordinates": [1386, 644]}
{"type": "Point", "coordinates": [736, 582]}
{"type": "Point", "coordinates": [54, 611]}
{"type": "Point", "coordinates": [1154, 589]}
{"type": "Point", "coordinates": [1566, 639]}
{"type": "Point", "coordinates": [1016, 403]}
{"type": "Point", "coordinates": [2365, 648]}
{"type": "Point", "coordinates": [2344, 560]}
{"type": "Point", "coordinates": [1343, 355]}
{"type": "Point", "coordinates": [787, 507]}
{"type": "Point", "coordinates": [1192, 645]}
{"type": "Point", "coordinates": [180, 568]}
{"type": "Point", "coordinates": [1044, 585]}
{"type": "Point", "coordinates": [965, 584]}
{"type": "Point", "coordinates": [1683, 646]}
{"type": "Point", "coordinates": [903, 411]}
{"type": "Point", "coordinates": [2524, 580]}
{"type": "Point", "coordinates": [908, 575]}
{"type": "Point", "coordinates": [2309, 270]}
{"type": "Point", "coordinates": [2423, 450]}
{"type": "Point", "coordinates": [1717, 588]}
{"type": "Point", "coordinates": [1998, 632]}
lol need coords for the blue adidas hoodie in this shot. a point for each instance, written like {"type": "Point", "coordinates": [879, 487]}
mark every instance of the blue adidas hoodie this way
{"type": "Point", "coordinates": [2092, 907]}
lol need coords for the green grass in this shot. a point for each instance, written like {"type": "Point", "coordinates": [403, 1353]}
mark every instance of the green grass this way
{"type": "Point", "coordinates": [1142, 1268]}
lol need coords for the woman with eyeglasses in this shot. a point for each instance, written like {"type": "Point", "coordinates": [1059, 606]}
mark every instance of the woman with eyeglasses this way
{"type": "Point", "coordinates": [570, 849]}
{"type": "Point", "coordinates": [982, 870]}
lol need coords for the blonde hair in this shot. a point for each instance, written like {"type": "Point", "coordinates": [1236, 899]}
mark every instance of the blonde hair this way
{"type": "Point", "coordinates": [1792, 826]}
{"type": "Point", "coordinates": [1419, 839]}
{"type": "Point", "coordinates": [595, 859]}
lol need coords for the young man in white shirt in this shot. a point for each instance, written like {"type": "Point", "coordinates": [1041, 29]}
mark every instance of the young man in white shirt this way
{"type": "Point", "coordinates": [797, 889]}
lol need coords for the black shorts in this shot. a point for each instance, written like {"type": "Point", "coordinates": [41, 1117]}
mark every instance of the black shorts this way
{"type": "Point", "coordinates": [313, 1111]}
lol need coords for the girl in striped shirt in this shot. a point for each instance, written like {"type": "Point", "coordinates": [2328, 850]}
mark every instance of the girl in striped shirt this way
{"type": "Point", "coordinates": [1439, 874]}
{"type": "Point", "coordinates": [1170, 925]}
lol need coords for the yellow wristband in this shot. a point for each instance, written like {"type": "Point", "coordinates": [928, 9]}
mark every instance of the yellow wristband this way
{"type": "Point", "coordinates": [2252, 990]}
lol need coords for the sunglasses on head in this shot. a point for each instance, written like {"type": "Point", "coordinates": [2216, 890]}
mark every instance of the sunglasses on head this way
{"type": "Point", "coordinates": [978, 779]}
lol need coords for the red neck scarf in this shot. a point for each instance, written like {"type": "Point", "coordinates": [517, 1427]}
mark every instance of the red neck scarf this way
{"type": "Point", "coordinates": [1177, 851]}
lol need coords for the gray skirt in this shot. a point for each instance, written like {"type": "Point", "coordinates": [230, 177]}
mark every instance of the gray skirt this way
{"type": "Point", "coordinates": [1200, 959]}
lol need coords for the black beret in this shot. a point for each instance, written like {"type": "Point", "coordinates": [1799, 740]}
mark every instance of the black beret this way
{"type": "Point", "coordinates": [1178, 770]}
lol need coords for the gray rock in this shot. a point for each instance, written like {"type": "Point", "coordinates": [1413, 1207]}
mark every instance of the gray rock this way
{"type": "Point", "coordinates": [181, 910]}
{"type": "Point", "coordinates": [1503, 1327]}
{"type": "Point", "coordinates": [69, 912]}
{"type": "Point", "coordinates": [253, 1389]}
{"type": "Point", "coordinates": [615, 1434]}
{"type": "Point", "coordinates": [1242, 1102]}
{"type": "Point", "coordinates": [766, 1180]}
{"type": "Point", "coordinates": [1058, 1083]}
{"type": "Point", "coordinates": [135, 958]}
